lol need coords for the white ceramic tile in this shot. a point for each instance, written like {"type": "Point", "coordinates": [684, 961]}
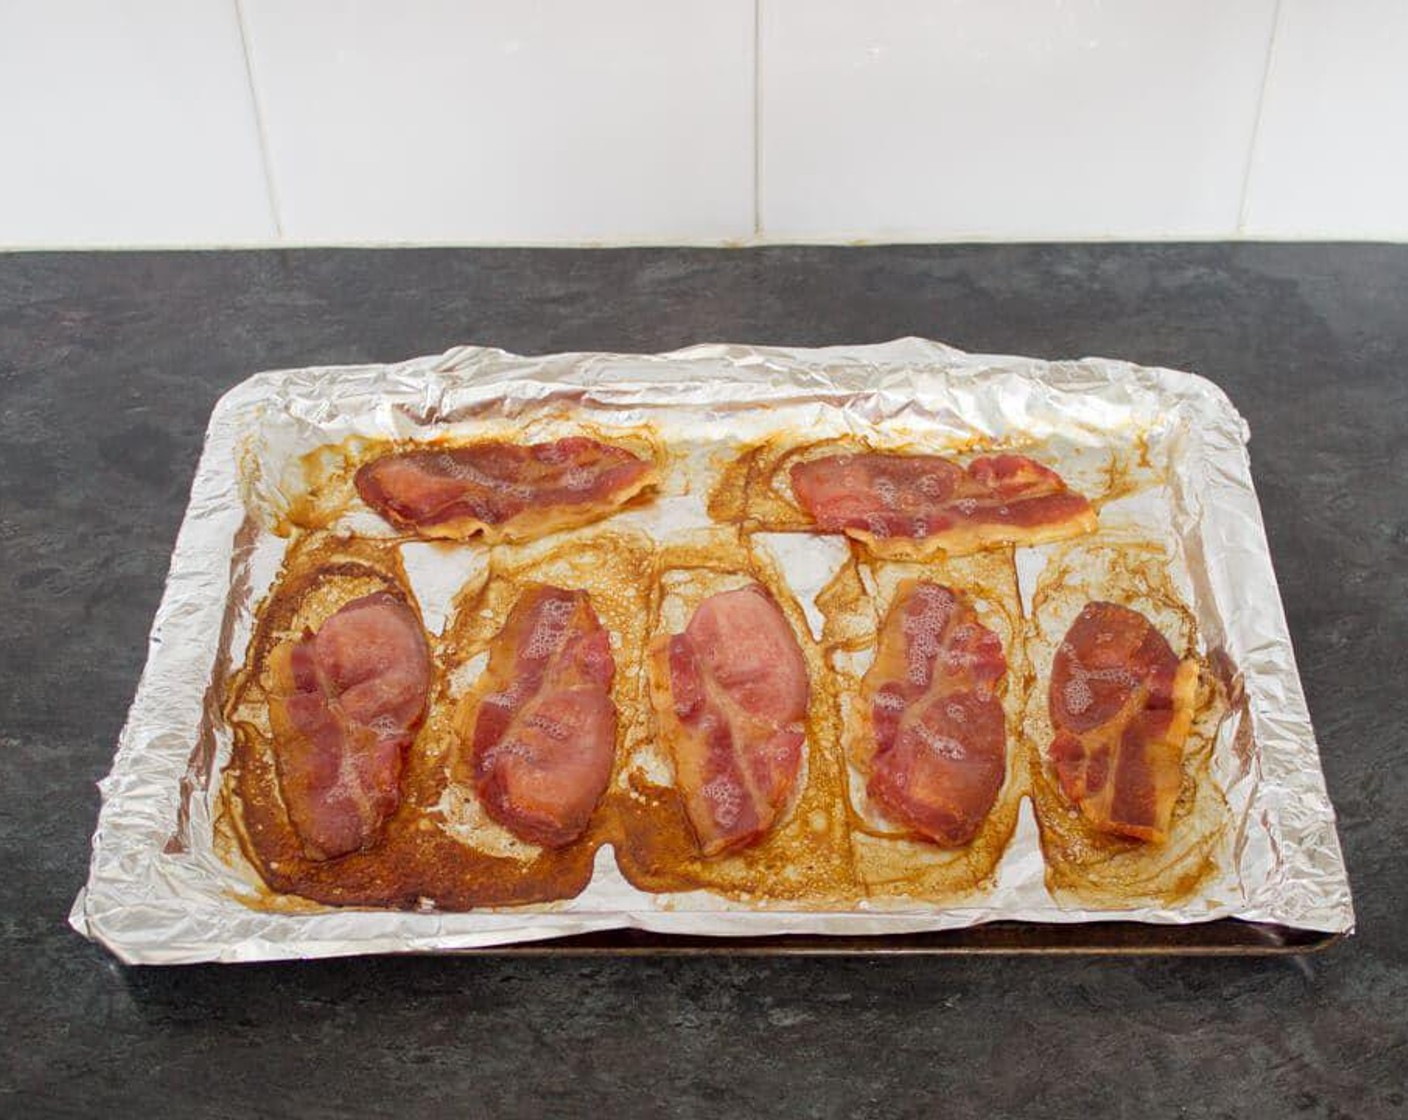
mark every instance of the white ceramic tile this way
{"type": "Point", "coordinates": [503, 120]}
{"type": "Point", "coordinates": [1007, 119]}
{"type": "Point", "coordinates": [1331, 157]}
{"type": "Point", "coordinates": [127, 124]}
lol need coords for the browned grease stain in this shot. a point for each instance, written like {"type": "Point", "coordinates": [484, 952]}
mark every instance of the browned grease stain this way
{"type": "Point", "coordinates": [325, 490]}
{"type": "Point", "coordinates": [416, 861]}
{"type": "Point", "coordinates": [446, 852]}
{"type": "Point", "coordinates": [1085, 866]}
{"type": "Point", "coordinates": [891, 864]}
{"type": "Point", "coordinates": [612, 568]}
{"type": "Point", "coordinates": [827, 849]}
{"type": "Point", "coordinates": [1126, 472]}
{"type": "Point", "coordinates": [805, 859]}
{"type": "Point", "coordinates": [754, 489]}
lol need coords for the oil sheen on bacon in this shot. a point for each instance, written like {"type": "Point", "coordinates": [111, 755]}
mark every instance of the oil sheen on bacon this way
{"type": "Point", "coordinates": [939, 737]}
{"type": "Point", "coordinates": [456, 491]}
{"type": "Point", "coordinates": [345, 706]}
{"type": "Point", "coordinates": [1120, 703]}
{"type": "Point", "coordinates": [732, 694]}
{"type": "Point", "coordinates": [883, 497]}
{"type": "Point", "coordinates": [544, 733]}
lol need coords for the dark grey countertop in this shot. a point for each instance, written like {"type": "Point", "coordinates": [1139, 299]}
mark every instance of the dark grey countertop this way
{"type": "Point", "coordinates": [109, 366]}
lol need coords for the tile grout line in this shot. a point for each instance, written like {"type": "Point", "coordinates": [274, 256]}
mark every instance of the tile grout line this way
{"type": "Point", "coordinates": [1256, 125]}
{"type": "Point", "coordinates": [269, 186]}
{"type": "Point", "coordinates": [757, 117]}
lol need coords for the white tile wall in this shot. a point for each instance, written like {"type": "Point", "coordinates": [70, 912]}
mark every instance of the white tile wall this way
{"type": "Point", "coordinates": [1044, 118]}
{"type": "Point", "coordinates": [505, 120]}
{"type": "Point", "coordinates": [1332, 150]}
{"type": "Point", "coordinates": [127, 124]}
{"type": "Point", "coordinates": [226, 122]}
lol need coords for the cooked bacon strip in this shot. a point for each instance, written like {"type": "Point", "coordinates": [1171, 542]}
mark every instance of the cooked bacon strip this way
{"type": "Point", "coordinates": [544, 729]}
{"type": "Point", "coordinates": [1121, 703]}
{"type": "Point", "coordinates": [731, 693]}
{"type": "Point", "coordinates": [906, 505]}
{"type": "Point", "coordinates": [506, 491]}
{"type": "Point", "coordinates": [938, 734]}
{"type": "Point", "coordinates": [344, 708]}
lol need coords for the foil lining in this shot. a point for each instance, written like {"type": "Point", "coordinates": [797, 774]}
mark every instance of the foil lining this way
{"type": "Point", "coordinates": [158, 891]}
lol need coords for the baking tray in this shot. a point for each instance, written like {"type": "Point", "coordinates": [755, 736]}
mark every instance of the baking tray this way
{"type": "Point", "coordinates": [158, 892]}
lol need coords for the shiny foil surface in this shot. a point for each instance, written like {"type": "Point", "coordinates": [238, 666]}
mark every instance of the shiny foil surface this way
{"type": "Point", "coordinates": [161, 890]}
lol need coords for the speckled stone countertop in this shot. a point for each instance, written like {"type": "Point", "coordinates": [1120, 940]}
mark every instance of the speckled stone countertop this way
{"type": "Point", "coordinates": [109, 366]}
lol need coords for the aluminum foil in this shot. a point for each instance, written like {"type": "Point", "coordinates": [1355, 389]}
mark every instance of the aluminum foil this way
{"type": "Point", "coordinates": [158, 891]}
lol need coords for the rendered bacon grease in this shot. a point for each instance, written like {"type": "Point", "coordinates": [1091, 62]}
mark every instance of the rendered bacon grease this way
{"type": "Point", "coordinates": [907, 505]}
{"type": "Point", "coordinates": [731, 693]}
{"type": "Point", "coordinates": [345, 707]}
{"type": "Point", "coordinates": [541, 728]}
{"type": "Point", "coordinates": [1121, 703]}
{"type": "Point", "coordinates": [938, 734]}
{"type": "Point", "coordinates": [506, 491]}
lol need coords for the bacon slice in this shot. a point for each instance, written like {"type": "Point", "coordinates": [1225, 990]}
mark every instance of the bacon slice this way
{"type": "Point", "coordinates": [543, 735]}
{"type": "Point", "coordinates": [507, 491]}
{"type": "Point", "coordinates": [1121, 703]}
{"type": "Point", "coordinates": [938, 736]}
{"type": "Point", "coordinates": [910, 505]}
{"type": "Point", "coordinates": [345, 705]}
{"type": "Point", "coordinates": [731, 694]}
